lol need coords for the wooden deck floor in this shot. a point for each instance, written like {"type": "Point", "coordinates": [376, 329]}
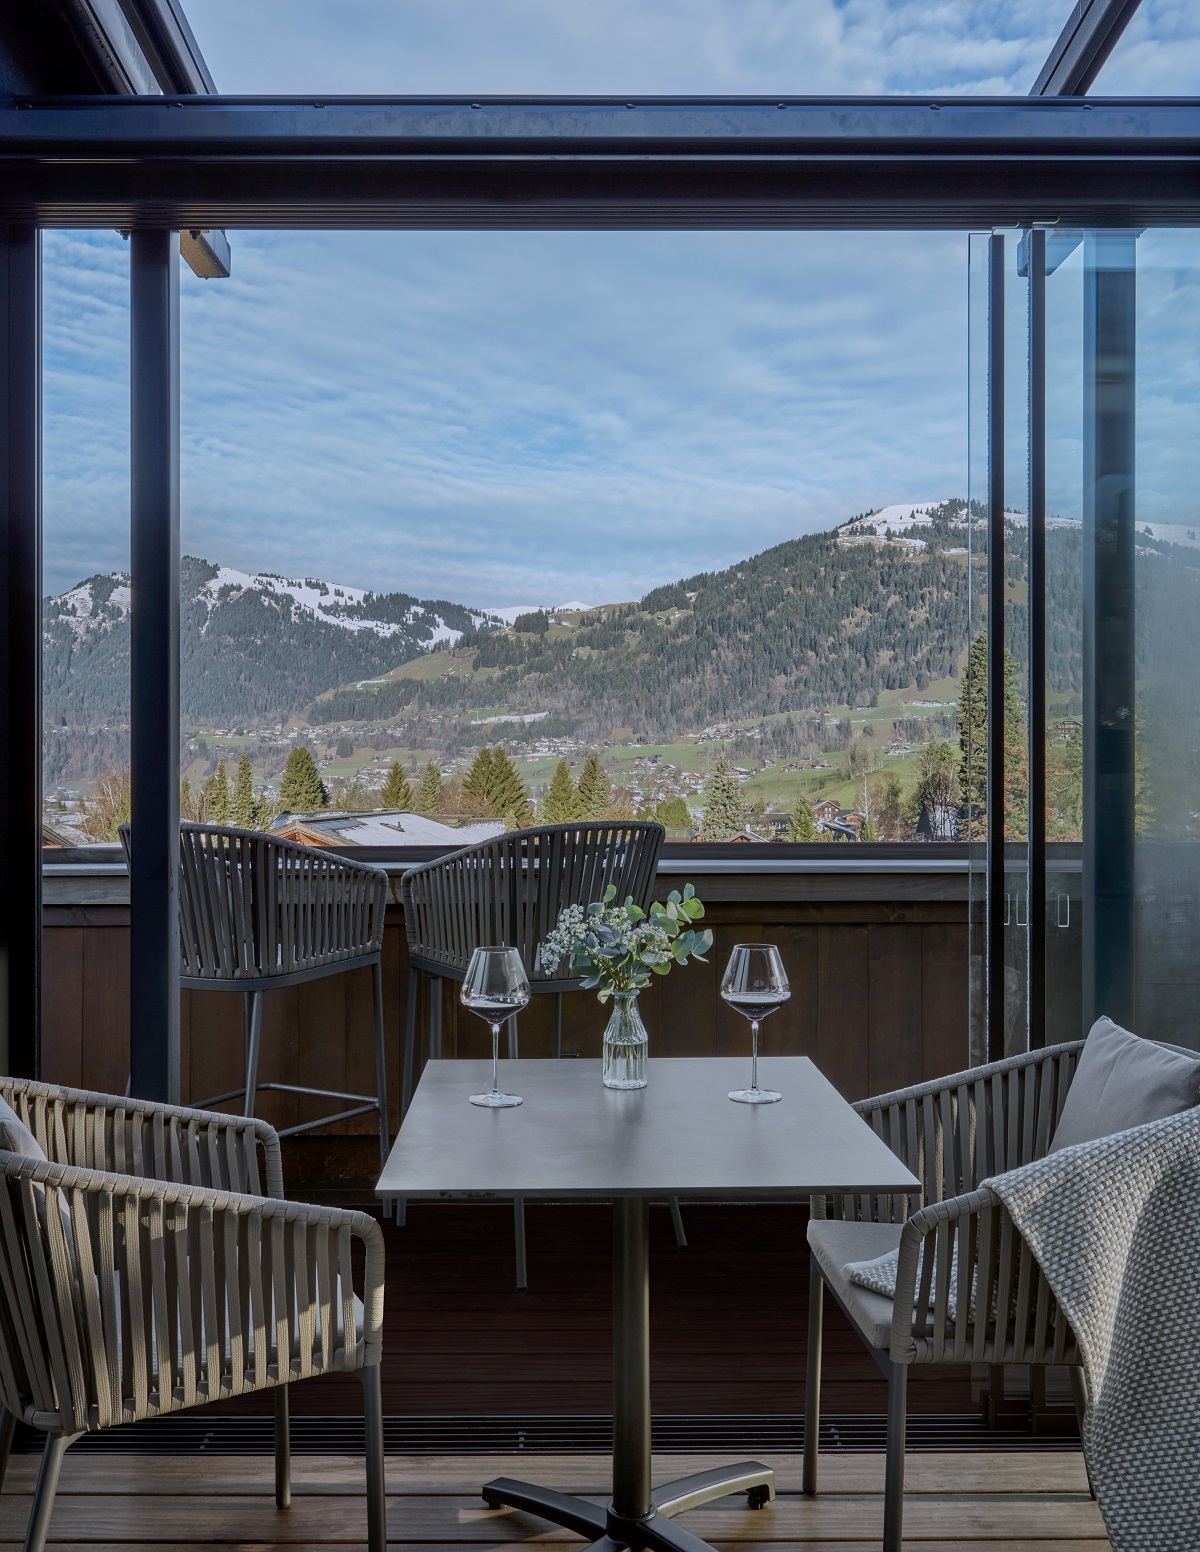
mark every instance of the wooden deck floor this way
{"type": "Point", "coordinates": [1004, 1503]}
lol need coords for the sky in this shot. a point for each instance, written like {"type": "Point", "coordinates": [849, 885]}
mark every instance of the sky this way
{"type": "Point", "coordinates": [517, 418]}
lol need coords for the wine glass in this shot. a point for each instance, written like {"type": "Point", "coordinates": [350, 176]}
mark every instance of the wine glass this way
{"type": "Point", "coordinates": [755, 983]}
{"type": "Point", "coordinates": [496, 987]}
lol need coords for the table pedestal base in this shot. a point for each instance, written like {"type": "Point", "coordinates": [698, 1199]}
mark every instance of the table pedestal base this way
{"type": "Point", "coordinates": [609, 1531]}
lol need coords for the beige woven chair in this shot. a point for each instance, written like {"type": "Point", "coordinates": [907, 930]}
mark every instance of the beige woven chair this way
{"type": "Point", "coordinates": [952, 1133]}
{"type": "Point", "coordinates": [143, 1271]}
{"type": "Point", "coordinates": [510, 890]}
{"type": "Point", "coordinates": [257, 913]}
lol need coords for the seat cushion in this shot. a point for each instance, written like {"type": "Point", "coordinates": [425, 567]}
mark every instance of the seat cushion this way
{"type": "Point", "coordinates": [1123, 1081]}
{"type": "Point", "coordinates": [836, 1245]}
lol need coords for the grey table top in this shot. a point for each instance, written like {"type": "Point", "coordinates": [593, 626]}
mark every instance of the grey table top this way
{"type": "Point", "coordinates": [679, 1136]}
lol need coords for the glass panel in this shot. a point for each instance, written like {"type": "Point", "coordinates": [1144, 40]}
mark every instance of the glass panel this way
{"type": "Point", "coordinates": [973, 776]}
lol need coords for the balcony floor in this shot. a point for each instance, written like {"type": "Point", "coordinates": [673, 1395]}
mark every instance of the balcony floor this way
{"type": "Point", "coordinates": [1008, 1503]}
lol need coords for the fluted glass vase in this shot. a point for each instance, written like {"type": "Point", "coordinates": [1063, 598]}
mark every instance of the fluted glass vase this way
{"type": "Point", "coordinates": [625, 1044]}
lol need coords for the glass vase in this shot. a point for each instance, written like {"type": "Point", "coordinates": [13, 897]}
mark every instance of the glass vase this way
{"type": "Point", "coordinates": [625, 1044]}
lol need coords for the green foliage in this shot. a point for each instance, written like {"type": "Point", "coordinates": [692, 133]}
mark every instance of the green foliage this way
{"type": "Point", "coordinates": [934, 800]}
{"type": "Point", "coordinates": [242, 811]}
{"type": "Point", "coordinates": [724, 813]}
{"type": "Point", "coordinates": [616, 948]}
{"type": "Point", "coordinates": [536, 623]}
{"type": "Point", "coordinates": [187, 800]}
{"type": "Point", "coordinates": [476, 785]}
{"type": "Point", "coordinates": [595, 789]}
{"type": "Point", "coordinates": [673, 813]}
{"type": "Point", "coordinates": [493, 789]}
{"type": "Point", "coordinates": [302, 790]}
{"type": "Point", "coordinates": [397, 793]}
{"type": "Point", "coordinates": [803, 826]}
{"type": "Point", "coordinates": [429, 794]}
{"type": "Point", "coordinates": [216, 805]}
{"type": "Point", "coordinates": [973, 746]}
{"type": "Point", "coordinates": [560, 802]}
{"type": "Point", "coordinates": [344, 748]}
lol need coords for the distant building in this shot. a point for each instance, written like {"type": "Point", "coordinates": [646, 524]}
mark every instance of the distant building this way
{"type": "Point", "coordinates": [381, 827]}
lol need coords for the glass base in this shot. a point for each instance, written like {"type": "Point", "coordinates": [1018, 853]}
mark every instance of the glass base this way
{"type": "Point", "coordinates": [624, 1083]}
{"type": "Point", "coordinates": [496, 1101]}
{"type": "Point", "coordinates": [755, 1096]}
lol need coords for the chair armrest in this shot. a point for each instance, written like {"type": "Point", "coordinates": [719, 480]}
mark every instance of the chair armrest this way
{"type": "Point", "coordinates": [142, 1137]}
{"type": "Point", "coordinates": [173, 1295]}
{"type": "Point", "coordinates": [1005, 1311]}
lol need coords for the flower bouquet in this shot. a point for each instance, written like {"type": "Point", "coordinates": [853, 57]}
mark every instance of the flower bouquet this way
{"type": "Point", "coordinates": [615, 949]}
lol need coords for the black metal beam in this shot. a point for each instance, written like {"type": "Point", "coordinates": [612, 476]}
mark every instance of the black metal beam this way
{"type": "Point", "coordinates": [215, 162]}
{"type": "Point", "coordinates": [154, 665]}
{"type": "Point", "coordinates": [1036, 532]}
{"type": "Point", "coordinates": [997, 893]}
{"type": "Point", "coordinates": [21, 645]}
{"type": "Point", "coordinates": [1109, 775]}
{"type": "Point", "coordinates": [1091, 33]}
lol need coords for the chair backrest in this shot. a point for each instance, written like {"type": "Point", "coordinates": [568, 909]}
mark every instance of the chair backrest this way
{"type": "Point", "coordinates": [253, 907]}
{"type": "Point", "coordinates": [511, 889]}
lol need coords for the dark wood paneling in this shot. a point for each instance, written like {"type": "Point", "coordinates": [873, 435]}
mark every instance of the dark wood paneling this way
{"type": "Point", "coordinates": [894, 1039]}
{"type": "Point", "coordinates": [843, 1008]}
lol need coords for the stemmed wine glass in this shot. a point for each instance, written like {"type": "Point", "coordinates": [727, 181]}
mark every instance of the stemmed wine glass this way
{"type": "Point", "coordinates": [496, 987]}
{"type": "Point", "coordinates": [755, 983]}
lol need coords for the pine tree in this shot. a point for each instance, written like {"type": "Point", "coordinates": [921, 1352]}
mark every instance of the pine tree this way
{"type": "Point", "coordinates": [187, 800]}
{"type": "Point", "coordinates": [263, 812]}
{"type": "Point", "coordinates": [430, 792]}
{"type": "Point", "coordinates": [243, 795]}
{"type": "Point", "coordinates": [723, 813]}
{"type": "Point", "coordinates": [595, 790]}
{"type": "Point", "coordinates": [973, 744]}
{"type": "Point", "coordinates": [673, 813]}
{"type": "Point", "coordinates": [396, 790]}
{"type": "Point", "coordinates": [803, 826]}
{"type": "Point", "coordinates": [302, 789]}
{"type": "Point", "coordinates": [507, 795]}
{"type": "Point", "coordinates": [560, 802]}
{"type": "Point", "coordinates": [214, 797]}
{"type": "Point", "coordinates": [476, 787]}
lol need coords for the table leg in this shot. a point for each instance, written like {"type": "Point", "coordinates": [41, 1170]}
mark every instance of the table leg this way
{"type": "Point", "coordinates": [637, 1517]}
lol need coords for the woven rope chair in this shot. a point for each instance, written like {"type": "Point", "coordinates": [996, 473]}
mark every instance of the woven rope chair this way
{"type": "Point", "coordinates": [952, 1133]}
{"type": "Point", "coordinates": [255, 913]}
{"type": "Point", "coordinates": [510, 890]}
{"type": "Point", "coordinates": [143, 1271]}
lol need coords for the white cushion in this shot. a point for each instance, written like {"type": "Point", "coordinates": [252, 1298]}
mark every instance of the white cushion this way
{"type": "Point", "coordinates": [1122, 1082]}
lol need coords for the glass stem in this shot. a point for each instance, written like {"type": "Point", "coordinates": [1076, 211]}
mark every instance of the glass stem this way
{"type": "Point", "coordinates": [495, 1058]}
{"type": "Point", "coordinates": [753, 1056]}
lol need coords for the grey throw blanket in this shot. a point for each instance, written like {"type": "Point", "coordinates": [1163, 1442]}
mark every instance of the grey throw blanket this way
{"type": "Point", "coordinates": [1115, 1227]}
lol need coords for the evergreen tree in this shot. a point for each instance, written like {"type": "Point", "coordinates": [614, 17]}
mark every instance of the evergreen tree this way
{"type": "Point", "coordinates": [215, 804]}
{"type": "Point", "coordinates": [803, 826]}
{"type": "Point", "coordinates": [243, 795]}
{"type": "Point", "coordinates": [187, 800]}
{"type": "Point", "coordinates": [673, 814]}
{"type": "Point", "coordinates": [263, 813]}
{"type": "Point", "coordinates": [723, 812]}
{"type": "Point", "coordinates": [560, 802]}
{"type": "Point", "coordinates": [507, 795]}
{"type": "Point", "coordinates": [302, 789]}
{"type": "Point", "coordinates": [973, 745]}
{"type": "Point", "coordinates": [430, 793]}
{"type": "Point", "coordinates": [477, 783]}
{"type": "Point", "coordinates": [595, 790]}
{"type": "Point", "coordinates": [396, 790]}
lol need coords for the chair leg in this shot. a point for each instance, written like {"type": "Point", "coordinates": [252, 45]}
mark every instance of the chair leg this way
{"type": "Point", "coordinates": [514, 1044]}
{"type": "Point", "coordinates": [893, 1486]}
{"type": "Point", "coordinates": [376, 1488]}
{"type": "Point", "coordinates": [435, 1018]}
{"type": "Point", "coordinates": [283, 1450]}
{"type": "Point", "coordinates": [812, 1377]}
{"type": "Point", "coordinates": [253, 1021]}
{"type": "Point", "coordinates": [1079, 1389]}
{"type": "Point", "coordinates": [519, 1241]}
{"type": "Point", "coordinates": [677, 1225]}
{"type": "Point", "coordinates": [47, 1486]}
{"type": "Point", "coordinates": [381, 1088]}
{"type": "Point", "coordinates": [557, 1046]}
{"type": "Point", "coordinates": [8, 1427]}
{"type": "Point", "coordinates": [410, 1041]}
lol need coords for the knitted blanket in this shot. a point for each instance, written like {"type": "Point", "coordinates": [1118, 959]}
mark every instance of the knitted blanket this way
{"type": "Point", "coordinates": [1115, 1226]}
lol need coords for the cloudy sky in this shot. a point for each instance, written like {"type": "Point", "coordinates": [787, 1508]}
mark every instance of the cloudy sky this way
{"type": "Point", "coordinates": [536, 417]}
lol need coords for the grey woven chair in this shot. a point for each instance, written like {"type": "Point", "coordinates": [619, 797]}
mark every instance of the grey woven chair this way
{"type": "Point", "coordinates": [952, 1133]}
{"type": "Point", "coordinates": [143, 1271]}
{"type": "Point", "coordinates": [510, 890]}
{"type": "Point", "coordinates": [257, 913]}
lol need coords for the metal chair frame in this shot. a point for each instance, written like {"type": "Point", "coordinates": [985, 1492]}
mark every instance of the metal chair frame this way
{"type": "Point", "coordinates": [510, 890]}
{"type": "Point", "coordinates": [258, 913]}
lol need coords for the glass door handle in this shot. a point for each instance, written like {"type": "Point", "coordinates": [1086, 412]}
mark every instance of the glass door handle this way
{"type": "Point", "coordinates": [1062, 911]}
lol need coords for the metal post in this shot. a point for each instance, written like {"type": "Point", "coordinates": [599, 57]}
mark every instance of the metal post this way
{"type": "Point", "coordinates": [995, 653]}
{"type": "Point", "coordinates": [1109, 326]}
{"type": "Point", "coordinates": [1036, 879]}
{"type": "Point", "coordinates": [21, 646]}
{"type": "Point", "coordinates": [154, 665]}
{"type": "Point", "coordinates": [631, 1358]}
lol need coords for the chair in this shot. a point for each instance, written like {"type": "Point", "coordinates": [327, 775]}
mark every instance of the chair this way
{"type": "Point", "coordinates": [510, 890]}
{"type": "Point", "coordinates": [952, 1133]}
{"type": "Point", "coordinates": [256, 912]}
{"type": "Point", "coordinates": [143, 1271]}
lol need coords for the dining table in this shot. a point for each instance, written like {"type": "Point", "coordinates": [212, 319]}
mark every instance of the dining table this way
{"type": "Point", "coordinates": [573, 1139]}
